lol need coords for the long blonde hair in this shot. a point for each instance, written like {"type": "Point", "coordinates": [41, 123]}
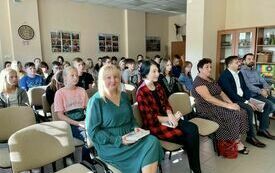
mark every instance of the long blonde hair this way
{"type": "Point", "coordinates": [103, 72]}
{"type": "Point", "coordinates": [4, 85]}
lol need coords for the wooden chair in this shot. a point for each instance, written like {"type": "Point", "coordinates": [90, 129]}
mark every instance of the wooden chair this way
{"type": "Point", "coordinates": [12, 119]}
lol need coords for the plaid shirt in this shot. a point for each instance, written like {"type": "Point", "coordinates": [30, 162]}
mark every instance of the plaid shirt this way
{"type": "Point", "coordinates": [150, 111]}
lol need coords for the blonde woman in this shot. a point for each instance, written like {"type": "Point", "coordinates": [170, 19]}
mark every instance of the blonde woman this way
{"type": "Point", "coordinates": [17, 66]}
{"type": "Point", "coordinates": [70, 103]}
{"type": "Point", "coordinates": [10, 93]}
{"type": "Point", "coordinates": [110, 118]}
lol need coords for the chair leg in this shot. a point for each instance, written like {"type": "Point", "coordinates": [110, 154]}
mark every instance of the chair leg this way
{"type": "Point", "coordinates": [215, 144]}
{"type": "Point", "coordinates": [42, 169]}
{"type": "Point", "coordinates": [256, 121]}
{"type": "Point", "coordinates": [170, 153]}
{"type": "Point", "coordinates": [54, 166]}
{"type": "Point", "coordinates": [160, 168]}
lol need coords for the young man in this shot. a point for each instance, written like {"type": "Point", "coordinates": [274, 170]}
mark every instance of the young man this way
{"type": "Point", "coordinates": [85, 79]}
{"type": "Point", "coordinates": [259, 88]}
{"type": "Point", "coordinates": [56, 66]}
{"type": "Point", "coordinates": [106, 60]}
{"type": "Point", "coordinates": [31, 79]}
{"type": "Point", "coordinates": [130, 75]}
{"type": "Point", "coordinates": [233, 84]}
{"type": "Point", "coordinates": [176, 69]}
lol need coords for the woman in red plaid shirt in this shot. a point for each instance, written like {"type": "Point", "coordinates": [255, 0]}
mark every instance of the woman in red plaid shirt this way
{"type": "Point", "coordinates": [155, 110]}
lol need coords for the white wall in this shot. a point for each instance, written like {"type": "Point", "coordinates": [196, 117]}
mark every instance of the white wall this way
{"type": "Point", "coordinates": [194, 32]}
{"type": "Point", "coordinates": [135, 33]}
{"type": "Point", "coordinates": [157, 26]}
{"type": "Point", "coordinates": [249, 13]}
{"type": "Point", "coordinates": [5, 33]}
{"type": "Point", "coordinates": [214, 20]}
{"type": "Point", "coordinates": [201, 34]}
{"type": "Point", "coordinates": [89, 20]}
{"type": "Point", "coordinates": [25, 13]}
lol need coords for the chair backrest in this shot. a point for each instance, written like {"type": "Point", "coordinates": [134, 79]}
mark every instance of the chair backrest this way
{"type": "Point", "coordinates": [91, 91]}
{"type": "Point", "coordinates": [131, 91]}
{"type": "Point", "coordinates": [45, 104]}
{"type": "Point", "coordinates": [180, 102]}
{"type": "Point", "coordinates": [39, 145]}
{"type": "Point", "coordinates": [35, 95]}
{"type": "Point", "coordinates": [137, 115]}
{"type": "Point", "coordinates": [54, 114]}
{"type": "Point", "coordinates": [13, 119]}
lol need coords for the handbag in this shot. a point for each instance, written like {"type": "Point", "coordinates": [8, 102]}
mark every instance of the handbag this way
{"type": "Point", "coordinates": [228, 149]}
{"type": "Point", "coordinates": [76, 114]}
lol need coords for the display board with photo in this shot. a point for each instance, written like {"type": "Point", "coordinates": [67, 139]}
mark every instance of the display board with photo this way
{"type": "Point", "coordinates": [152, 44]}
{"type": "Point", "coordinates": [65, 41]}
{"type": "Point", "coordinates": [108, 43]}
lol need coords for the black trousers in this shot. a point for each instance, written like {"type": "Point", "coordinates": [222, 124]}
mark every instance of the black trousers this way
{"type": "Point", "coordinates": [190, 140]}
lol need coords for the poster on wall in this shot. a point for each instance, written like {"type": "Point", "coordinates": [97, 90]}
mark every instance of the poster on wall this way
{"type": "Point", "coordinates": [108, 43]}
{"type": "Point", "coordinates": [65, 41]}
{"type": "Point", "coordinates": [152, 44]}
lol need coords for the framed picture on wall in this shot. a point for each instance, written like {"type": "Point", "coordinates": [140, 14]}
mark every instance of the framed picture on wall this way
{"type": "Point", "coordinates": [65, 41]}
{"type": "Point", "coordinates": [152, 44]}
{"type": "Point", "coordinates": [108, 43]}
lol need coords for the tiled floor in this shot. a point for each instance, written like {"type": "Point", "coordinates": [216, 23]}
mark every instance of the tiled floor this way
{"type": "Point", "coordinates": [258, 160]}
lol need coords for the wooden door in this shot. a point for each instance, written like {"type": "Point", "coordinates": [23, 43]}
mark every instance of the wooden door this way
{"type": "Point", "coordinates": [178, 48]}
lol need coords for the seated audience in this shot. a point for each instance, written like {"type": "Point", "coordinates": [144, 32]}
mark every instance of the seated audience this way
{"type": "Point", "coordinates": [45, 69]}
{"type": "Point", "coordinates": [91, 69]}
{"type": "Point", "coordinates": [169, 83]}
{"type": "Point", "coordinates": [37, 63]}
{"type": "Point", "coordinates": [85, 79]}
{"type": "Point", "coordinates": [66, 64]}
{"type": "Point", "coordinates": [114, 60]}
{"type": "Point", "coordinates": [140, 57]}
{"type": "Point", "coordinates": [7, 64]}
{"type": "Point", "coordinates": [10, 93]}
{"type": "Point", "coordinates": [109, 120]}
{"type": "Point", "coordinates": [56, 66]}
{"type": "Point", "coordinates": [233, 84]}
{"type": "Point", "coordinates": [106, 60]}
{"type": "Point", "coordinates": [176, 69]}
{"type": "Point", "coordinates": [60, 59]}
{"type": "Point", "coordinates": [212, 103]}
{"type": "Point", "coordinates": [17, 66]}
{"type": "Point", "coordinates": [122, 65]}
{"type": "Point", "coordinates": [259, 88]}
{"type": "Point", "coordinates": [55, 84]}
{"type": "Point", "coordinates": [70, 103]}
{"type": "Point", "coordinates": [98, 64]}
{"type": "Point", "coordinates": [157, 59]}
{"type": "Point", "coordinates": [185, 78]}
{"type": "Point", "coordinates": [155, 110]}
{"type": "Point", "coordinates": [130, 75]}
{"type": "Point", "coordinates": [31, 79]}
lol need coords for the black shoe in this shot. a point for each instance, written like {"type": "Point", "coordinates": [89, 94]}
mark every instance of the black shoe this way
{"type": "Point", "coordinates": [266, 134]}
{"type": "Point", "coordinates": [254, 141]}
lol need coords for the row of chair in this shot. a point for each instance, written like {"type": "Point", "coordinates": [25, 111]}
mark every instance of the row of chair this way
{"type": "Point", "coordinates": [178, 101]}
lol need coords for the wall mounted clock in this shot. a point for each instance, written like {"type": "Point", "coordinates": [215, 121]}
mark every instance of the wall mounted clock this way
{"type": "Point", "coordinates": [26, 32]}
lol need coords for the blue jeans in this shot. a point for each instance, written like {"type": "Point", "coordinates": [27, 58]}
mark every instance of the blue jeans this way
{"type": "Point", "coordinates": [80, 133]}
{"type": "Point", "coordinates": [268, 108]}
{"type": "Point", "coordinates": [272, 101]}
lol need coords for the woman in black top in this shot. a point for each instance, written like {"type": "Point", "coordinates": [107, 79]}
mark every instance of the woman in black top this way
{"type": "Point", "coordinates": [167, 80]}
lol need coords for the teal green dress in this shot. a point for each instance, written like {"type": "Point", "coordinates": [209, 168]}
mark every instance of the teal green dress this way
{"type": "Point", "coordinates": [106, 123]}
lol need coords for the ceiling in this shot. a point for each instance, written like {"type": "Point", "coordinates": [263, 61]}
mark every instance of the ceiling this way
{"type": "Point", "coordinates": [165, 7]}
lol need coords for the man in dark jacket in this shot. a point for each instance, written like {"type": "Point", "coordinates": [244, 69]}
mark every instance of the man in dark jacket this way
{"type": "Point", "coordinates": [233, 84]}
